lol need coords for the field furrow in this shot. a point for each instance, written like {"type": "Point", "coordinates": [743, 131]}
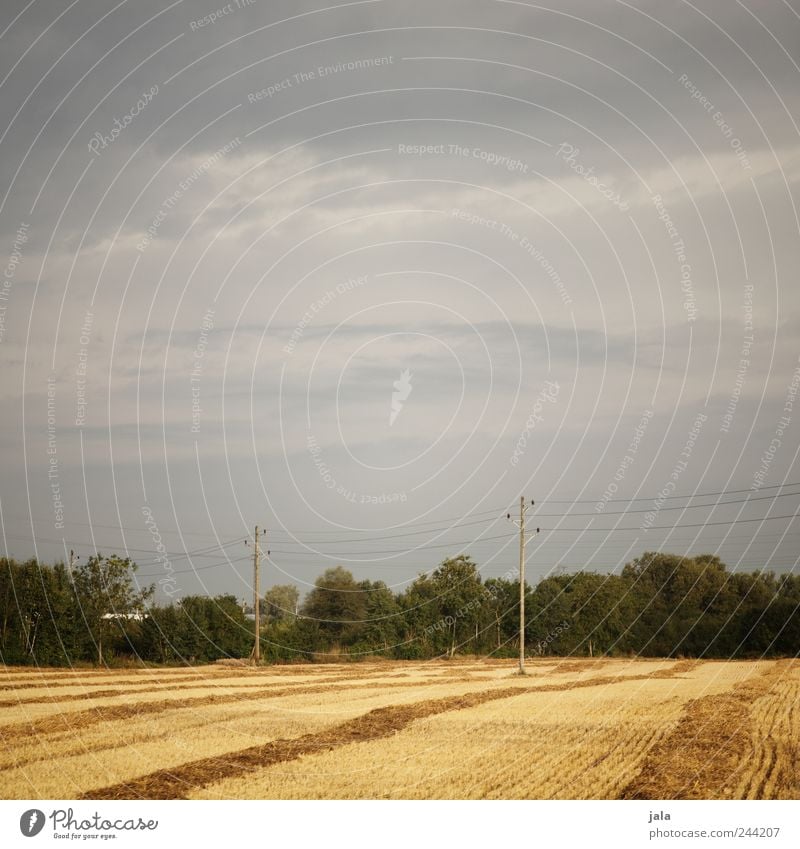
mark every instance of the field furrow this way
{"type": "Point", "coordinates": [517, 748]}
{"type": "Point", "coordinates": [176, 783]}
{"type": "Point", "coordinates": [570, 729]}
{"type": "Point", "coordinates": [712, 754]}
{"type": "Point", "coordinates": [106, 752]}
{"type": "Point", "coordinates": [769, 770]}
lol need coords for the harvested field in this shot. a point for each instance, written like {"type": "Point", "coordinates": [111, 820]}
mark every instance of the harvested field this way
{"type": "Point", "coordinates": [574, 729]}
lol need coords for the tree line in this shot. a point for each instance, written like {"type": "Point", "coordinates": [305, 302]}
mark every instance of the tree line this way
{"type": "Point", "coordinates": [659, 605]}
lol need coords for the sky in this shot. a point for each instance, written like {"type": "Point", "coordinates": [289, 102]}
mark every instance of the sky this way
{"type": "Point", "coordinates": [364, 274]}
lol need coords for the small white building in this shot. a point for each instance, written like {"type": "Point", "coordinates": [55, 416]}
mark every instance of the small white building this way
{"type": "Point", "coordinates": [136, 617]}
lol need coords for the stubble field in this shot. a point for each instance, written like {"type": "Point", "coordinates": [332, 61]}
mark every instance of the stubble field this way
{"type": "Point", "coordinates": [570, 729]}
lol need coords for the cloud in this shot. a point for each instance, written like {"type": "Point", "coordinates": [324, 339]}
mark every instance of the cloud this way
{"type": "Point", "coordinates": [488, 261]}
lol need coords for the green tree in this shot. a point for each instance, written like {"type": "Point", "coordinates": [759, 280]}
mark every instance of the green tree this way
{"type": "Point", "coordinates": [158, 635]}
{"type": "Point", "coordinates": [460, 598]}
{"type": "Point", "coordinates": [420, 631]}
{"type": "Point", "coordinates": [502, 615]}
{"type": "Point", "coordinates": [281, 602]}
{"type": "Point", "coordinates": [229, 633]}
{"type": "Point", "coordinates": [651, 597]}
{"type": "Point", "coordinates": [107, 597]}
{"type": "Point", "coordinates": [588, 617]}
{"type": "Point", "coordinates": [337, 604]}
{"type": "Point", "coordinates": [382, 613]}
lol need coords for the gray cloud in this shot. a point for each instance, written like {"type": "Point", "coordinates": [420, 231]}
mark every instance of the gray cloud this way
{"type": "Point", "coordinates": [487, 170]}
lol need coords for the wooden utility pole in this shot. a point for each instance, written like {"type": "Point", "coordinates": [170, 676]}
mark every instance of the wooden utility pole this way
{"type": "Point", "coordinates": [256, 600]}
{"type": "Point", "coordinates": [521, 585]}
{"type": "Point", "coordinates": [256, 653]}
{"type": "Point", "coordinates": [520, 523]}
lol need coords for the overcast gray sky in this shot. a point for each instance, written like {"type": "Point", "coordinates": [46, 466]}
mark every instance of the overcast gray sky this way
{"type": "Point", "coordinates": [355, 271]}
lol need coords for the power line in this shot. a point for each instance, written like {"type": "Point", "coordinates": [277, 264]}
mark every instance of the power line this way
{"type": "Point", "coordinates": [208, 551]}
{"type": "Point", "coordinates": [671, 497]}
{"type": "Point", "coordinates": [397, 536]}
{"type": "Point", "coordinates": [678, 507]}
{"type": "Point", "coordinates": [490, 513]}
{"type": "Point", "coordinates": [548, 530]}
{"type": "Point", "coordinates": [117, 527]}
{"type": "Point", "coordinates": [605, 547]}
{"type": "Point", "coordinates": [673, 527]}
{"type": "Point", "coordinates": [295, 533]}
{"type": "Point", "coordinates": [195, 569]}
{"type": "Point", "coordinates": [480, 540]}
{"type": "Point", "coordinates": [549, 515]}
{"type": "Point", "coordinates": [441, 522]}
{"type": "Point", "coordinates": [403, 550]}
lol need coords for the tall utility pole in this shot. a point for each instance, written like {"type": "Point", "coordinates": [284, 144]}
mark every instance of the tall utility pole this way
{"type": "Point", "coordinates": [257, 596]}
{"type": "Point", "coordinates": [522, 585]}
{"type": "Point", "coordinates": [520, 523]}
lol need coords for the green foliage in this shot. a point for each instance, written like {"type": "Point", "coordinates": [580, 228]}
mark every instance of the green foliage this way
{"type": "Point", "coordinates": [338, 606]}
{"type": "Point", "coordinates": [50, 617]}
{"type": "Point", "coordinates": [382, 626]}
{"type": "Point", "coordinates": [196, 629]}
{"type": "Point", "coordinates": [104, 588]}
{"type": "Point", "coordinates": [659, 605]}
{"type": "Point", "coordinates": [281, 602]}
